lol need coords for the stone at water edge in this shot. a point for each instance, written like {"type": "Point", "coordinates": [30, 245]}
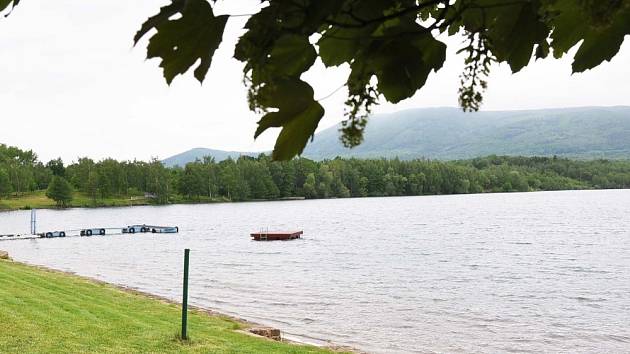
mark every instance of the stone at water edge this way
{"type": "Point", "coordinates": [4, 255]}
{"type": "Point", "coordinates": [268, 332]}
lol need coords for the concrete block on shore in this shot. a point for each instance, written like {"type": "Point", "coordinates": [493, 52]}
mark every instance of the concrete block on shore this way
{"type": "Point", "coordinates": [269, 332]}
{"type": "Point", "coordinates": [4, 255]}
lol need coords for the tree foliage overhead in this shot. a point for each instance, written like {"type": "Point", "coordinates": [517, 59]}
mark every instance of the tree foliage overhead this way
{"type": "Point", "coordinates": [390, 46]}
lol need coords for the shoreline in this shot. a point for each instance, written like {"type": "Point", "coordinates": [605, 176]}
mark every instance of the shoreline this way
{"type": "Point", "coordinates": [22, 202]}
{"type": "Point", "coordinates": [140, 204]}
{"type": "Point", "coordinates": [246, 324]}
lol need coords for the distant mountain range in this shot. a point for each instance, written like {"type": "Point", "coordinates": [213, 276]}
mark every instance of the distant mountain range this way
{"type": "Point", "coordinates": [449, 133]}
{"type": "Point", "coordinates": [199, 153]}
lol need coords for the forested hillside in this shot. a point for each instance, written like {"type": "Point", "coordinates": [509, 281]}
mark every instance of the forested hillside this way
{"type": "Point", "coordinates": [199, 153]}
{"type": "Point", "coordinates": [449, 133]}
{"type": "Point", "coordinates": [254, 178]}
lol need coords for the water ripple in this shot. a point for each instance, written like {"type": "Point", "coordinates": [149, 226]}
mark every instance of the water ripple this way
{"type": "Point", "coordinates": [520, 272]}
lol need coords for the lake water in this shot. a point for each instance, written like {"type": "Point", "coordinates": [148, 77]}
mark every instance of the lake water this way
{"type": "Point", "coordinates": [517, 272]}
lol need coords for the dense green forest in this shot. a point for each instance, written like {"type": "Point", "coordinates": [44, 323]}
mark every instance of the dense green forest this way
{"type": "Point", "coordinates": [249, 178]}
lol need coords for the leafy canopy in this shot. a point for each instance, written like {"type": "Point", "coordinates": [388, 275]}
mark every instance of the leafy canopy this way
{"type": "Point", "coordinates": [5, 184]}
{"type": "Point", "coordinates": [390, 46]}
{"type": "Point", "coordinates": [60, 191]}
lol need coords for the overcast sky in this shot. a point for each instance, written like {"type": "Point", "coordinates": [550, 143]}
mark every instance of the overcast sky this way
{"type": "Point", "coordinates": [72, 85]}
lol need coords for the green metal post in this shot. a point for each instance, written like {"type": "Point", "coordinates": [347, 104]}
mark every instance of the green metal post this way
{"type": "Point", "coordinates": [185, 296]}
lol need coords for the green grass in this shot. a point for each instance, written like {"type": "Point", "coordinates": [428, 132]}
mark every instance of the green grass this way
{"type": "Point", "coordinates": [27, 200]}
{"type": "Point", "coordinates": [50, 312]}
{"type": "Point", "coordinates": [39, 200]}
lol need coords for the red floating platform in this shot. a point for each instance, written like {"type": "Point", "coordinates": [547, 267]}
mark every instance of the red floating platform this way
{"type": "Point", "coordinates": [276, 235]}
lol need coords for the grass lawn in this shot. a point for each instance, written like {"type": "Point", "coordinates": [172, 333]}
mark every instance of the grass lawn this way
{"type": "Point", "coordinates": [39, 200]}
{"type": "Point", "coordinates": [50, 312]}
{"type": "Point", "coordinates": [27, 200]}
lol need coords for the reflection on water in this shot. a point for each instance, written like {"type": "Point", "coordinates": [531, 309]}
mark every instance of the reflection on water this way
{"type": "Point", "coordinates": [545, 271]}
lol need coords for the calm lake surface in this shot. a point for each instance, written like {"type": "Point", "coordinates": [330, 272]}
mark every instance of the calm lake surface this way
{"type": "Point", "coordinates": [517, 272]}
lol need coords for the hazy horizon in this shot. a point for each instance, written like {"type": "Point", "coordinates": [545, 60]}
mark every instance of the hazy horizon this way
{"type": "Point", "coordinates": [395, 112]}
{"type": "Point", "coordinates": [268, 150]}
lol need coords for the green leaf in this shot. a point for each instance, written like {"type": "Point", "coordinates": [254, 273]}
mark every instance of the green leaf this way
{"type": "Point", "coordinates": [600, 45]}
{"type": "Point", "coordinates": [339, 45]}
{"type": "Point", "coordinates": [317, 11]}
{"type": "Point", "coordinates": [289, 96]}
{"type": "Point", "coordinates": [542, 50]}
{"type": "Point", "coordinates": [514, 32]}
{"type": "Point", "coordinates": [403, 66]}
{"type": "Point", "coordinates": [165, 13]}
{"type": "Point", "coordinates": [569, 27]}
{"type": "Point", "coordinates": [601, 35]}
{"type": "Point", "coordinates": [297, 113]}
{"type": "Point", "coordinates": [400, 72]}
{"type": "Point", "coordinates": [182, 42]}
{"type": "Point", "coordinates": [291, 55]}
{"type": "Point", "coordinates": [454, 28]}
{"type": "Point", "coordinates": [296, 132]}
{"type": "Point", "coordinates": [5, 3]}
{"type": "Point", "coordinates": [255, 43]}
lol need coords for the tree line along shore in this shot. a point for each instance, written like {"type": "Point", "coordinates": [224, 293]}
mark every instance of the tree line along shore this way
{"type": "Point", "coordinates": [26, 182]}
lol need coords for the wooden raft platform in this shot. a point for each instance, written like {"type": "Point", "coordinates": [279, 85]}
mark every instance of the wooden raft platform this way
{"type": "Point", "coordinates": [276, 235]}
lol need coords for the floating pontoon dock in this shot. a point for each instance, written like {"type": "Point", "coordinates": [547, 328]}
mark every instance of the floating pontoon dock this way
{"type": "Point", "coordinates": [96, 231]}
{"type": "Point", "coordinates": [276, 235]}
{"type": "Point", "coordinates": [90, 231]}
